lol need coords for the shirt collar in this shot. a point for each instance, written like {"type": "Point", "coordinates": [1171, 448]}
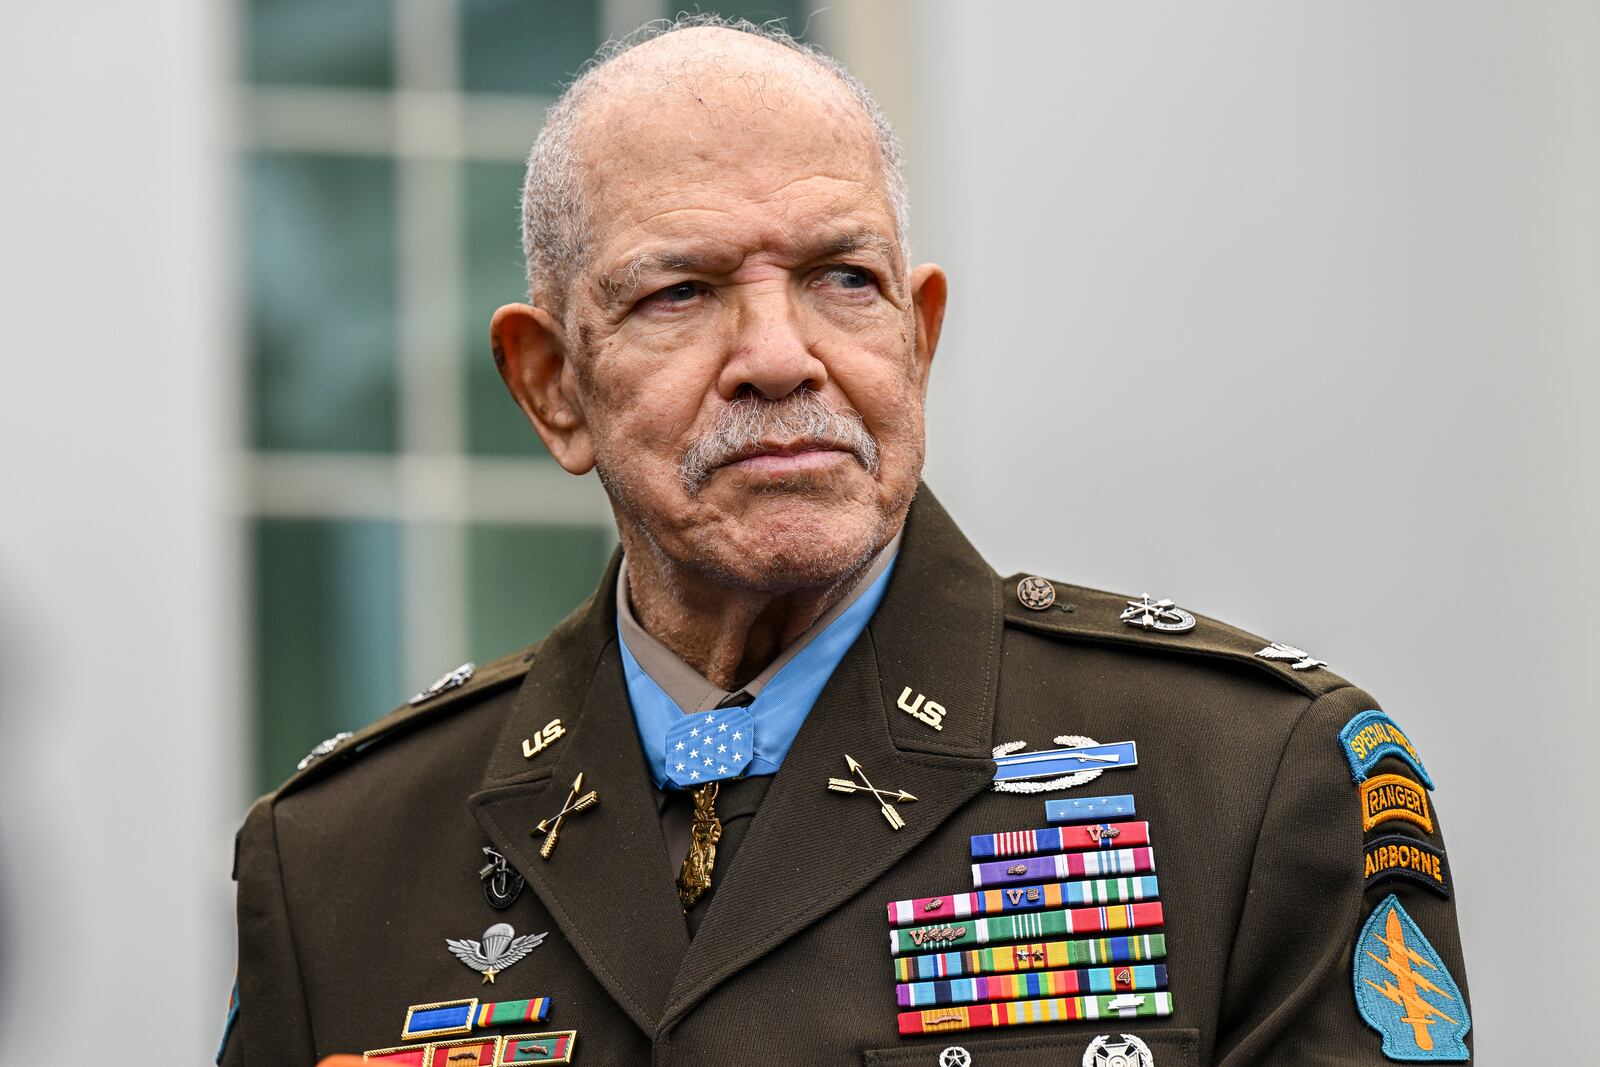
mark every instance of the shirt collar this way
{"type": "Point", "coordinates": [662, 687]}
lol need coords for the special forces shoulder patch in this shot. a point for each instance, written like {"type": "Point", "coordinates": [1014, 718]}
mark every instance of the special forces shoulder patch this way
{"type": "Point", "coordinates": [1370, 736]}
{"type": "Point", "coordinates": [1404, 991]}
{"type": "Point", "coordinates": [1394, 796]}
{"type": "Point", "coordinates": [1402, 856]}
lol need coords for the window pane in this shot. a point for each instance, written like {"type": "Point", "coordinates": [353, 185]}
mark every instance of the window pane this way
{"type": "Point", "coordinates": [321, 245]}
{"type": "Point", "coordinates": [319, 42]}
{"type": "Point", "coordinates": [327, 617]}
{"type": "Point", "coordinates": [525, 46]}
{"type": "Point", "coordinates": [525, 579]}
{"type": "Point", "coordinates": [495, 425]}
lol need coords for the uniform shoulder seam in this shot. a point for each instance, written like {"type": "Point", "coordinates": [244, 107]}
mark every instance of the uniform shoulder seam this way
{"type": "Point", "coordinates": [1075, 612]}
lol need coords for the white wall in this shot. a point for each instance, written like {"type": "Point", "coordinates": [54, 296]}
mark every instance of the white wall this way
{"type": "Point", "coordinates": [120, 694]}
{"type": "Point", "coordinates": [1289, 312]}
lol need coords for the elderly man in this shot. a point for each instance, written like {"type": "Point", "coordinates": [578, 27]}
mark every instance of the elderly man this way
{"type": "Point", "coordinates": [801, 717]}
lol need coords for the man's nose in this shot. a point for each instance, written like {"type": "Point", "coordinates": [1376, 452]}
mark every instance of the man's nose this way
{"type": "Point", "coordinates": [770, 351]}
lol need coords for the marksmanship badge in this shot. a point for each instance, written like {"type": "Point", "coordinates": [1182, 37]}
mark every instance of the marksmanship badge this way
{"type": "Point", "coordinates": [1128, 1052]}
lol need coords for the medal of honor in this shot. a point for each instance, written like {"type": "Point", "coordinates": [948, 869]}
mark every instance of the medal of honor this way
{"type": "Point", "coordinates": [704, 833]}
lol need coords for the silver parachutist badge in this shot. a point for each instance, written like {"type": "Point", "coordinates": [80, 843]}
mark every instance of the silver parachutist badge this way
{"type": "Point", "coordinates": [499, 949]}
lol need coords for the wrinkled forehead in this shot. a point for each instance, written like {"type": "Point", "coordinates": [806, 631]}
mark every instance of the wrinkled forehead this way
{"type": "Point", "coordinates": [754, 128]}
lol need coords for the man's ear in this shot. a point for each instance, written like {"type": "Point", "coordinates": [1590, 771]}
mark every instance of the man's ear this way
{"type": "Point", "coordinates": [532, 358]}
{"type": "Point", "coordinates": [929, 287]}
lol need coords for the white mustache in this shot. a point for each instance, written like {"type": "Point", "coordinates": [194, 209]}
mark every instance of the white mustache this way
{"type": "Point", "coordinates": [750, 424]}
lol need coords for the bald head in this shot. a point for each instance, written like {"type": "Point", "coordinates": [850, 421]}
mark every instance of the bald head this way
{"type": "Point", "coordinates": [669, 85]}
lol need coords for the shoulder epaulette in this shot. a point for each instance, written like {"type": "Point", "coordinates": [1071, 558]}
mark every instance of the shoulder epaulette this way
{"type": "Point", "coordinates": [453, 690]}
{"type": "Point", "coordinates": [1072, 611]}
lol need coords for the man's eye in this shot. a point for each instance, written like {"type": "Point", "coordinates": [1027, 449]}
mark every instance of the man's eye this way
{"type": "Point", "coordinates": [677, 294]}
{"type": "Point", "coordinates": [849, 277]}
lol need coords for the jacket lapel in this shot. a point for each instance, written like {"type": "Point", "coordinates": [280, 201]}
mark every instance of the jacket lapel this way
{"type": "Point", "coordinates": [938, 632]}
{"type": "Point", "coordinates": [597, 884]}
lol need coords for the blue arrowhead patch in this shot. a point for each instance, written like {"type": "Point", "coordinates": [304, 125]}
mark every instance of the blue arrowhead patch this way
{"type": "Point", "coordinates": [1404, 991]}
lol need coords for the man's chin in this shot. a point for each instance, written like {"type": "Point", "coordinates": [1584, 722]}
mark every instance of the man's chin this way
{"type": "Point", "coordinates": [793, 536]}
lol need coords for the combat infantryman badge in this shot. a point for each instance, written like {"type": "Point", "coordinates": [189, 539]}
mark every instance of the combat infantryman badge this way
{"type": "Point", "coordinates": [1081, 761]}
{"type": "Point", "coordinates": [551, 827]}
{"type": "Point", "coordinates": [499, 949]}
{"type": "Point", "coordinates": [883, 796]}
{"type": "Point", "coordinates": [1161, 615]}
{"type": "Point", "coordinates": [1404, 991]}
{"type": "Point", "coordinates": [1129, 1052]}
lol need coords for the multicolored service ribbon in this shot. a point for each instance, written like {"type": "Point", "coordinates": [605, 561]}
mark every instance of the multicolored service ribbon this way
{"type": "Point", "coordinates": [554, 1047]}
{"type": "Point", "coordinates": [982, 931]}
{"type": "Point", "coordinates": [1023, 1012]}
{"type": "Point", "coordinates": [469, 1052]}
{"type": "Point", "coordinates": [1039, 956]}
{"type": "Point", "coordinates": [1031, 984]}
{"type": "Point", "coordinates": [464, 1016]}
{"type": "Point", "coordinates": [1022, 898]}
{"type": "Point", "coordinates": [1063, 866]}
{"type": "Point", "coordinates": [1088, 809]}
{"type": "Point", "coordinates": [1060, 839]}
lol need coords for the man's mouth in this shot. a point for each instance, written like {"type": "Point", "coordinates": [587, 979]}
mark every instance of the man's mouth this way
{"type": "Point", "coordinates": [786, 458]}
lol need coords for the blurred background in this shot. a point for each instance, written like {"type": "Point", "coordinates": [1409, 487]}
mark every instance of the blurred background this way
{"type": "Point", "coordinates": [1288, 312]}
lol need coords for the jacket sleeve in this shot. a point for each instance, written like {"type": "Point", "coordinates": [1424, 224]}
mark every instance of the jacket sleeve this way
{"type": "Point", "coordinates": [1330, 966]}
{"type": "Point", "coordinates": [273, 1025]}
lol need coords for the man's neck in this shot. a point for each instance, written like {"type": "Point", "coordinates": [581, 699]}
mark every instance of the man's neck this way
{"type": "Point", "coordinates": [727, 633]}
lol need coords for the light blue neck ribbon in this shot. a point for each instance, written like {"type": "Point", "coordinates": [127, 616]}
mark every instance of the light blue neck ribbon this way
{"type": "Point", "coordinates": [779, 709]}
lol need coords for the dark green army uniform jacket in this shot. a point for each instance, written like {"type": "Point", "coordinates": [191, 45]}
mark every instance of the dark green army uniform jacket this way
{"type": "Point", "coordinates": [352, 876]}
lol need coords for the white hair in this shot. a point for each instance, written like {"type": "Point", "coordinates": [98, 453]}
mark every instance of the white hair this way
{"type": "Point", "coordinates": [555, 216]}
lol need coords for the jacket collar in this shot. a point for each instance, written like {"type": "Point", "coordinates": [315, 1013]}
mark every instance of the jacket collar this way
{"type": "Point", "coordinates": [936, 636]}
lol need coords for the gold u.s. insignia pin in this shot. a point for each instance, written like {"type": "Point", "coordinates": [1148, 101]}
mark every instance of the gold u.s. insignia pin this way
{"type": "Point", "coordinates": [552, 731]}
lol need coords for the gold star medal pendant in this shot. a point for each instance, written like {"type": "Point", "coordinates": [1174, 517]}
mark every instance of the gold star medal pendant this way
{"type": "Point", "coordinates": [704, 750]}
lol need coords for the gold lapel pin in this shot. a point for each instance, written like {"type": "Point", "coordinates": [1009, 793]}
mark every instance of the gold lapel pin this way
{"type": "Point", "coordinates": [551, 827]}
{"type": "Point", "coordinates": [883, 796]}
